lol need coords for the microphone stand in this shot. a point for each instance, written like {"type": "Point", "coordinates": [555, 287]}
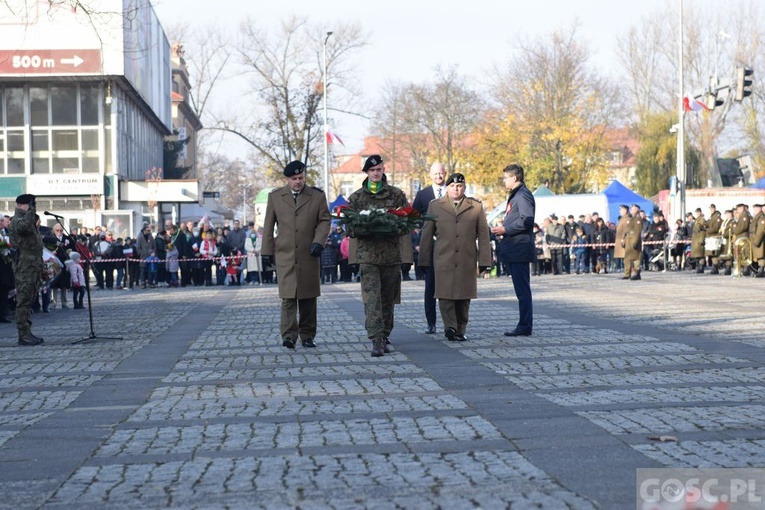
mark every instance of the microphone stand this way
{"type": "Point", "coordinates": [84, 254]}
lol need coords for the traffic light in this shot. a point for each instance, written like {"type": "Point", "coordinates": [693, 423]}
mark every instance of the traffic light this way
{"type": "Point", "coordinates": [744, 78]}
{"type": "Point", "coordinates": [712, 101]}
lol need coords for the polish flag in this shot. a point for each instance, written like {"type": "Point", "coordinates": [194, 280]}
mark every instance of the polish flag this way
{"type": "Point", "coordinates": [332, 138]}
{"type": "Point", "coordinates": [691, 104]}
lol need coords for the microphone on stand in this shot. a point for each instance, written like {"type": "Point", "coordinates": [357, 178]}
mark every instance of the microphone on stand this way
{"type": "Point", "coordinates": [46, 213]}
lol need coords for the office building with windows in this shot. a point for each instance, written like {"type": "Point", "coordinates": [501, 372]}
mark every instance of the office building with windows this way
{"type": "Point", "coordinates": [85, 106]}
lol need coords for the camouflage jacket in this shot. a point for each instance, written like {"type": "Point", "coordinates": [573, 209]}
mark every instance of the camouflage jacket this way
{"type": "Point", "coordinates": [25, 237]}
{"type": "Point", "coordinates": [27, 241]}
{"type": "Point", "coordinates": [380, 249]}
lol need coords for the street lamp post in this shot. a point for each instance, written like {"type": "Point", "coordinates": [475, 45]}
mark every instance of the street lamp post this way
{"type": "Point", "coordinates": [326, 127]}
{"type": "Point", "coordinates": [244, 204]}
{"type": "Point", "coordinates": [679, 202]}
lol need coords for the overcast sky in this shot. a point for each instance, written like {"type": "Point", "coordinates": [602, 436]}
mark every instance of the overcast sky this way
{"type": "Point", "coordinates": [409, 38]}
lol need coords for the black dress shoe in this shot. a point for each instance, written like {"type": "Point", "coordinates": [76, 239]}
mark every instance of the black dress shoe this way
{"type": "Point", "coordinates": [308, 343]}
{"type": "Point", "coordinates": [451, 334]}
{"type": "Point", "coordinates": [461, 338]}
{"type": "Point", "coordinates": [515, 332]}
{"type": "Point", "coordinates": [288, 343]}
{"type": "Point", "coordinates": [431, 329]}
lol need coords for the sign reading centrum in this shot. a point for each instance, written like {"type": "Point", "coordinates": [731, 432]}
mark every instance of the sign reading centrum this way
{"type": "Point", "coordinates": [24, 62]}
{"type": "Point", "coordinates": [65, 184]}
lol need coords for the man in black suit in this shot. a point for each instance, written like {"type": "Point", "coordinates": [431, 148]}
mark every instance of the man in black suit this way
{"type": "Point", "coordinates": [518, 244]}
{"type": "Point", "coordinates": [421, 203]}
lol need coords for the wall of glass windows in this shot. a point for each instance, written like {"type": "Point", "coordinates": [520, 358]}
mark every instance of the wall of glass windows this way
{"type": "Point", "coordinates": [59, 128]}
{"type": "Point", "coordinates": [53, 128]}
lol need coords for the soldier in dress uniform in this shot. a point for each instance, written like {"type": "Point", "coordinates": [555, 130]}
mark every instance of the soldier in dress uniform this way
{"type": "Point", "coordinates": [460, 224]}
{"type": "Point", "coordinates": [756, 234]}
{"type": "Point", "coordinates": [632, 241]}
{"type": "Point", "coordinates": [379, 255]}
{"type": "Point", "coordinates": [301, 214]}
{"type": "Point", "coordinates": [714, 230]}
{"type": "Point", "coordinates": [740, 228]}
{"type": "Point", "coordinates": [27, 264]}
{"type": "Point", "coordinates": [621, 227]}
{"type": "Point", "coordinates": [698, 237]}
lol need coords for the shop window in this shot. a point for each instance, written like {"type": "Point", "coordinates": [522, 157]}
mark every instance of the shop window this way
{"type": "Point", "coordinates": [90, 165]}
{"type": "Point", "coordinates": [40, 140]}
{"type": "Point", "coordinates": [89, 105]}
{"type": "Point", "coordinates": [89, 140]}
{"type": "Point", "coordinates": [65, 165]}
{"type": "Point", "coordinates": [15, 165]}
{"type": "Point", "coordinates": [14, 103]}
{"type": "Point", "coordinates": [40, 165]}
{"type": "Point", "coordinates": [15, 140]}
{"type": "Point", "coordinates": [65, 140]}
{"type": "Point", "coordinates": [38, 101]}
{"type": "Point", "coordinates": [64, 105]}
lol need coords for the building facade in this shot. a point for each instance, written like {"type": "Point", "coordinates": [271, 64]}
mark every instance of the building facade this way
{"type": "Point", "coordinates": [85, 106]}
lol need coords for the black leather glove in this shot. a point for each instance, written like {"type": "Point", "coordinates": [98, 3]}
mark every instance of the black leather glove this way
{"type": "Point", "coordinates": [316, 249]}
{"type": "Point", "coordinates": [483, 269]}
{"type": "Point", "coordinates": [636, 246]}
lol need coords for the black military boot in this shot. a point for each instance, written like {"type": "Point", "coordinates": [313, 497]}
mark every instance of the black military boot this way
{"type": "Point", "coordinates": [760, 272]}
{"type": "Point", "coordinates": [714, 270]}
{"type": "Point", "coordinates": [378, 347]}
{"type": "Point", "coordinates": [728, 271]}
{"type": "Point", "coordinates": [30, 339]}
{"type": "Point", "coordinates": [388, 346]}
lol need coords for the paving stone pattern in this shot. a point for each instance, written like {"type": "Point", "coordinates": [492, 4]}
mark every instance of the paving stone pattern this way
{"type": "Point", "coordinates": [199, 406]}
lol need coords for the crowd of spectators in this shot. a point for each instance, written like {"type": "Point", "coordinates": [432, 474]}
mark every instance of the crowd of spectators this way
{"type": "Point", "coordinates": [202, 254]}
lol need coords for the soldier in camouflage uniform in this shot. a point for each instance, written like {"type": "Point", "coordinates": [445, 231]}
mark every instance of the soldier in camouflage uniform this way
{"type": "Point", "coordinates": [378, 255]}
{"type": "Point", "coordinates": [27, 264]}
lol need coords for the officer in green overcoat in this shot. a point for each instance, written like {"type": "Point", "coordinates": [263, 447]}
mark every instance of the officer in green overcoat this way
{"type": "Point", "coordinates": [302, 217]}
{"type": "Point", "coordinates": [632, 241]}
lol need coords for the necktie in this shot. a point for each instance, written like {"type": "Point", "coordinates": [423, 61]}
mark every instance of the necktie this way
{"type": "Point", "coordinates": [294, 196]}
{"type": "Point", "coordinates": [439, 192]}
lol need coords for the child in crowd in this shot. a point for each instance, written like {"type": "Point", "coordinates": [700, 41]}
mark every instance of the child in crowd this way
{"type": "Point", "coordinates": [153, 262]}
{"type": "Point", "coordinates": [232, 267]}
{"type": "Point", "coordinates": [77, 279]}
{"type": "Point", "coordinates": [172, 265]}
{"type": "Point", "coordinates": [579, 250]}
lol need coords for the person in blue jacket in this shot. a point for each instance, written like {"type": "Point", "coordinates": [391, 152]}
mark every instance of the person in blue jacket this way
{"type": "Point", "coordinates": [518, 244]}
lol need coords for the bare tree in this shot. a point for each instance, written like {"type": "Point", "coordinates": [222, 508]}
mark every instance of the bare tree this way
{"type": "Point", "coordinates": [286, 76]}
{"type": "Point", "coordinates": [712, 41]}
{"type": "Point", "coordinates": [429, 121]}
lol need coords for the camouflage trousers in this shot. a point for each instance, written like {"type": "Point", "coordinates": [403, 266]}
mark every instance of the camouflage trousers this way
{"type": "Point", "coordinates": [379, 287]}
{"type": "Point", "coordinates": [27, 274]}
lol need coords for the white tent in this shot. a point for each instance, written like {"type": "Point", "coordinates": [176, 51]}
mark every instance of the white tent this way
{"type": "Point", "coordinates": [561, 206]}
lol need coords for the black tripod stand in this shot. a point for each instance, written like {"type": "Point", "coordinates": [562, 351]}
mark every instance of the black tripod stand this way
{"type": "Point", "coordinates": [88, 262]}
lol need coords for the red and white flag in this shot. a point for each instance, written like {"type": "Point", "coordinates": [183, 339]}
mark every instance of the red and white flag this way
{"type": "Point", "coordinates": [691, 104]}
{"type": "Point", "coordinates": [333, 138]}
